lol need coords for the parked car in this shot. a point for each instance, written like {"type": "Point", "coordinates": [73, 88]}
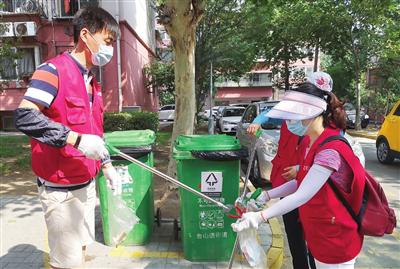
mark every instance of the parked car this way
{"type": "Point", "coordinates": [218, 115]}
{"type": "Point", "coordinates": [240, 104]}
{"type": "Point", "coordinates": [206, 113]}
{"type": "Point", "coordinates": [230, 118]}
{"type": "Point", "coordinates": [166, 113]}
{"type": "Point", "coordinates": [388, 140]}
{"type": "Point", "coordinates": [351, 116]}
{"type": "Point", "coordinates": [261, 170]}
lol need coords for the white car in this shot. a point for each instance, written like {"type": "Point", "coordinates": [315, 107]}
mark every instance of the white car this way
{"type": "Point", "coordinates": [230, 117]}
{"type": "Point", "coordinates": [206, 113]}
{"type": "Point", "coordinates": [166, 113]}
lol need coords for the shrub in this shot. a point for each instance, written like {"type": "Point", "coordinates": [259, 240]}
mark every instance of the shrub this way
{"type": "Point", "coordinates": [130, 121]}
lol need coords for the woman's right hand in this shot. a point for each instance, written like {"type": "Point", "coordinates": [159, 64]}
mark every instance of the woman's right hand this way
{"type": "Point", "coordinates": [253, 128]}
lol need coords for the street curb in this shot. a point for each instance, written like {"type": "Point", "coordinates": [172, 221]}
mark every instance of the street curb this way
{"type": "Point", "coordinates": [357, 134]}
{"type": "Point", "coordinates": [275, 252]}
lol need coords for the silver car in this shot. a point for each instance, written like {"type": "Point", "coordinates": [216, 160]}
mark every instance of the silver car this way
{"type": "Point", "coordinates": [229, 119]}
{"type": "Point", "coordinates": [266, 151]}
{"type": "Point", "coordinates": [166, 113]}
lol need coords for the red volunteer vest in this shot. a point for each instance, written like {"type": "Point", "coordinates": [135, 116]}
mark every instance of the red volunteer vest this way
{"type": "Point", "coordinates": [329, 230]}
{"type": "Point", "coordinates": [288, 154]}
{"type": "Point", "coordinates": [71, 107]}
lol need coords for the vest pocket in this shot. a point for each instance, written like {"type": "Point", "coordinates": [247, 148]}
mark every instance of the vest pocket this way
{"type": "Point", "coordinates": [328, 227]}
{"type": "Point", "coordinates": [76, 113]}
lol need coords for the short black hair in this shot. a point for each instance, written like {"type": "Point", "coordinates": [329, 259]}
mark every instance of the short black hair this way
{"type": "Point", "coordinates": [95, 19]}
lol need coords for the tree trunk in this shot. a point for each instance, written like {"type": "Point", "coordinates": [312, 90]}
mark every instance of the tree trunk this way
{"type": "Point", "coordinates": [316, 56]}
{"type": "Point", "coordinates": [286, 68]}
{"type": "Point", "coordinates": [358, 100]}
{"type": "Point", "coordinates": [183, 17]}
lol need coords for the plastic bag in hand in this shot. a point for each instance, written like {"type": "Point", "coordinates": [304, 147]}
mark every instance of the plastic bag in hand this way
{"type": "Point", "coordinates": [122, 219]}
{"type": "Point", "coordinates": [251, 248]}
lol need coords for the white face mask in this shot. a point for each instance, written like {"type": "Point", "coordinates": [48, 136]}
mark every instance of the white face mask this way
{"type": "Point", "coordinates": [103, 56]}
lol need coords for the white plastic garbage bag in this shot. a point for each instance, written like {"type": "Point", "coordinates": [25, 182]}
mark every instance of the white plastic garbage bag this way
{"type": "Point", "coordinates": [251, 249]}
{"type": "Point", "coordinates": [122, 219]}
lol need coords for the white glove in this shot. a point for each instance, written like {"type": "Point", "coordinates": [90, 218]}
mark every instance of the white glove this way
{"type": "Point", "coordinates": [259, 203]}
{"type": "Point", "coordinates": [93, 147]}
{"type": "Point", "coordinates": [114, 180]}
{"type": "Point", "coordinates": [248, 220]}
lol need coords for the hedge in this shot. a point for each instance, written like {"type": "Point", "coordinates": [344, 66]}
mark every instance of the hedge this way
{"type": "Point", "coordinates": [130, 121]}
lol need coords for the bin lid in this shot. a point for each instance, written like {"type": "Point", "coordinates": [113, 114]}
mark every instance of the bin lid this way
{"type": "Point", "coordinates": [132, 138]}
{"type": "Point", "coordinates": [206, 143]}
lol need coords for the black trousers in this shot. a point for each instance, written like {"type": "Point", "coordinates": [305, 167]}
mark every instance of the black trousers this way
{"type": "Point", "coordinates": [301, 257]}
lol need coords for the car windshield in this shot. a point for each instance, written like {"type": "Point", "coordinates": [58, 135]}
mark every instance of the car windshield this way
{"type": "Point", "coordinates": [348, 106]}
{"type": "Point", "coordinates": [233, 112]}
{"type": "Point", "coordinates": [271, 123]}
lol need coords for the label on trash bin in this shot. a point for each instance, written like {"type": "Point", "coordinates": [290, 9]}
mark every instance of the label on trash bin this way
{"type": "Point", "coordinates": [211, 183]}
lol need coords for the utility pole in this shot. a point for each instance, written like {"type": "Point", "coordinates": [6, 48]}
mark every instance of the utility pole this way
{"type": "Point", "coordinates": [210, 117]}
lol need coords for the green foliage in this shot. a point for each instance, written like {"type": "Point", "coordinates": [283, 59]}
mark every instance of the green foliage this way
{"type": "Point", "coordinates": [227, 37]}
{"type": "Point", "coordinates": [161, 77]}
{"type": "Point", "coordinates": [130, 121]}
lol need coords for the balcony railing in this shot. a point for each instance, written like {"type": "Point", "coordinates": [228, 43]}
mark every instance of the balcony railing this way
{"type": "Point", "coordinates": [259, 81]}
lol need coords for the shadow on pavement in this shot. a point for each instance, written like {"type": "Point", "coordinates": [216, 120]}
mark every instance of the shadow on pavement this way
{"type": "Point", "coordinates": [24, 256]}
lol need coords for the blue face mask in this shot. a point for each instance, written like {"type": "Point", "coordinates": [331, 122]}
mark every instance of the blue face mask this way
{"type": "Point", "coordinates": [296, 127]}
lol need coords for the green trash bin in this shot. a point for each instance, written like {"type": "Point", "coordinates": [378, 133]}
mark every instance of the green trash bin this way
{"type": "Point", "coordinates": [137, 189]}
{"type": "Point", "coordinates": [209, 164]}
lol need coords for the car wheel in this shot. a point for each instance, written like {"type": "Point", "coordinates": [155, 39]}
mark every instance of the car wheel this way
{"type": "Point", "coordinates": [364, 124]}
{"type": "Point", "coordinates": [255, 175]}
{"type": "Point", "coordinates": [383, 152]}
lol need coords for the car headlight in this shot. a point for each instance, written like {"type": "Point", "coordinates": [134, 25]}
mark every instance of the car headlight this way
{"type": "Point", "coordinates": [269, 147]}
{"type": "Point", "coordinates": [225, 122]}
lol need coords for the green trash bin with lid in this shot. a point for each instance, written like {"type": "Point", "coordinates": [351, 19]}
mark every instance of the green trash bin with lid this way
{"type": "Point", "coordinates": [211, 165]}
{"type": "Point", "coordinates": [137, 187]}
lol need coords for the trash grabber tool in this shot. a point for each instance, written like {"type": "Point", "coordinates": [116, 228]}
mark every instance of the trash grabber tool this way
{"type": "Point", "coordinates": [114, 150]}
{"type": "Point", "coordinates": [241, 208]}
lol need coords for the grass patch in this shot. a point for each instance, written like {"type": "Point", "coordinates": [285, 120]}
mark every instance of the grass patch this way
{"type": "Point", "coordinates": [15, 154]}
{"type": "Point", "coordinates": [163, 138]}
{"type": "Point", "coordinates": [14, 146]}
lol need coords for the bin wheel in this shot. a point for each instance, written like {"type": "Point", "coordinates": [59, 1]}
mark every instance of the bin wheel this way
{"type": "Point", "coordinates": [158, 217]}
{"type": "Point", "coordinates": [176, 230]}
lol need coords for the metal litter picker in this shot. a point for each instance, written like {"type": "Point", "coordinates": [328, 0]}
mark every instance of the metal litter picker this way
{"type": "Point", "coordinates": [113, 150]}
{"type": "Point", "coordinates": [241, 206]}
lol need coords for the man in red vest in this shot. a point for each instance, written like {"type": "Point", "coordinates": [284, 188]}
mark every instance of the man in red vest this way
{"type": "Point", "coordinates": [62, 112]}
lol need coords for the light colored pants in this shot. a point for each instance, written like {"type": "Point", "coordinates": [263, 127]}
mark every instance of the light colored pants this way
{"type": "Point", "coordinates": [69, 218]}
{"type": "Point", "coordinates": [345, 265]}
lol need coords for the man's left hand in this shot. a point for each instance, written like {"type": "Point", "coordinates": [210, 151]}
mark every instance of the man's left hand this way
{"type": "Point", "coordinates": [114, 180]}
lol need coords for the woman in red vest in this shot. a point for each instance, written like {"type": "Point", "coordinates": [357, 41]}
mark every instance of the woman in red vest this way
{"type": "Point", "coordinates": [284, 166]}
{"type": "Point", "coordinates": [329, 230]}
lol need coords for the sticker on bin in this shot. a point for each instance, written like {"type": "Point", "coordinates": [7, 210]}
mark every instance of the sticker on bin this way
{"type": "Point", "coordinates": [126, 179]}
{"type": "Point", "coordinates": [211, 183]}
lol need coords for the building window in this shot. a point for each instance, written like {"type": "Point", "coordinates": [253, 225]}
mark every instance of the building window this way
{"type": "Point", "coordinates": [20, 68]}
{"type": "Point", "coordinates": [255, 77]}
{"type": "Point", "coordinates": [68, 8]}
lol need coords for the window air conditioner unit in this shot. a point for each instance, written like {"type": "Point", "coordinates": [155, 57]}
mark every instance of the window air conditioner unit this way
{"type": "Point", "coordinates": [131, 108]}
{"type": "Point", "coordinates": [27, 28]}
{"type": "Point", "coordinates": [6, 29]}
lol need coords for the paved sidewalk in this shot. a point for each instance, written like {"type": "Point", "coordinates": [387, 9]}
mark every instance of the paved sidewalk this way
{"type": "Point", "coordinates": [24, 243]}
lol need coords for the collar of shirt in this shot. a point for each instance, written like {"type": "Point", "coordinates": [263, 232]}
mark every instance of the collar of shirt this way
{"type": "Point", "coordinates": [86, 73]}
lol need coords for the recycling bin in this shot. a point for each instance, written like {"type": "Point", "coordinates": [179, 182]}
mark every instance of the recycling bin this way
{"type": "Point", "coordinates": [137, 184]}
{"type": "Point", "coordinates": [211, 165]}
